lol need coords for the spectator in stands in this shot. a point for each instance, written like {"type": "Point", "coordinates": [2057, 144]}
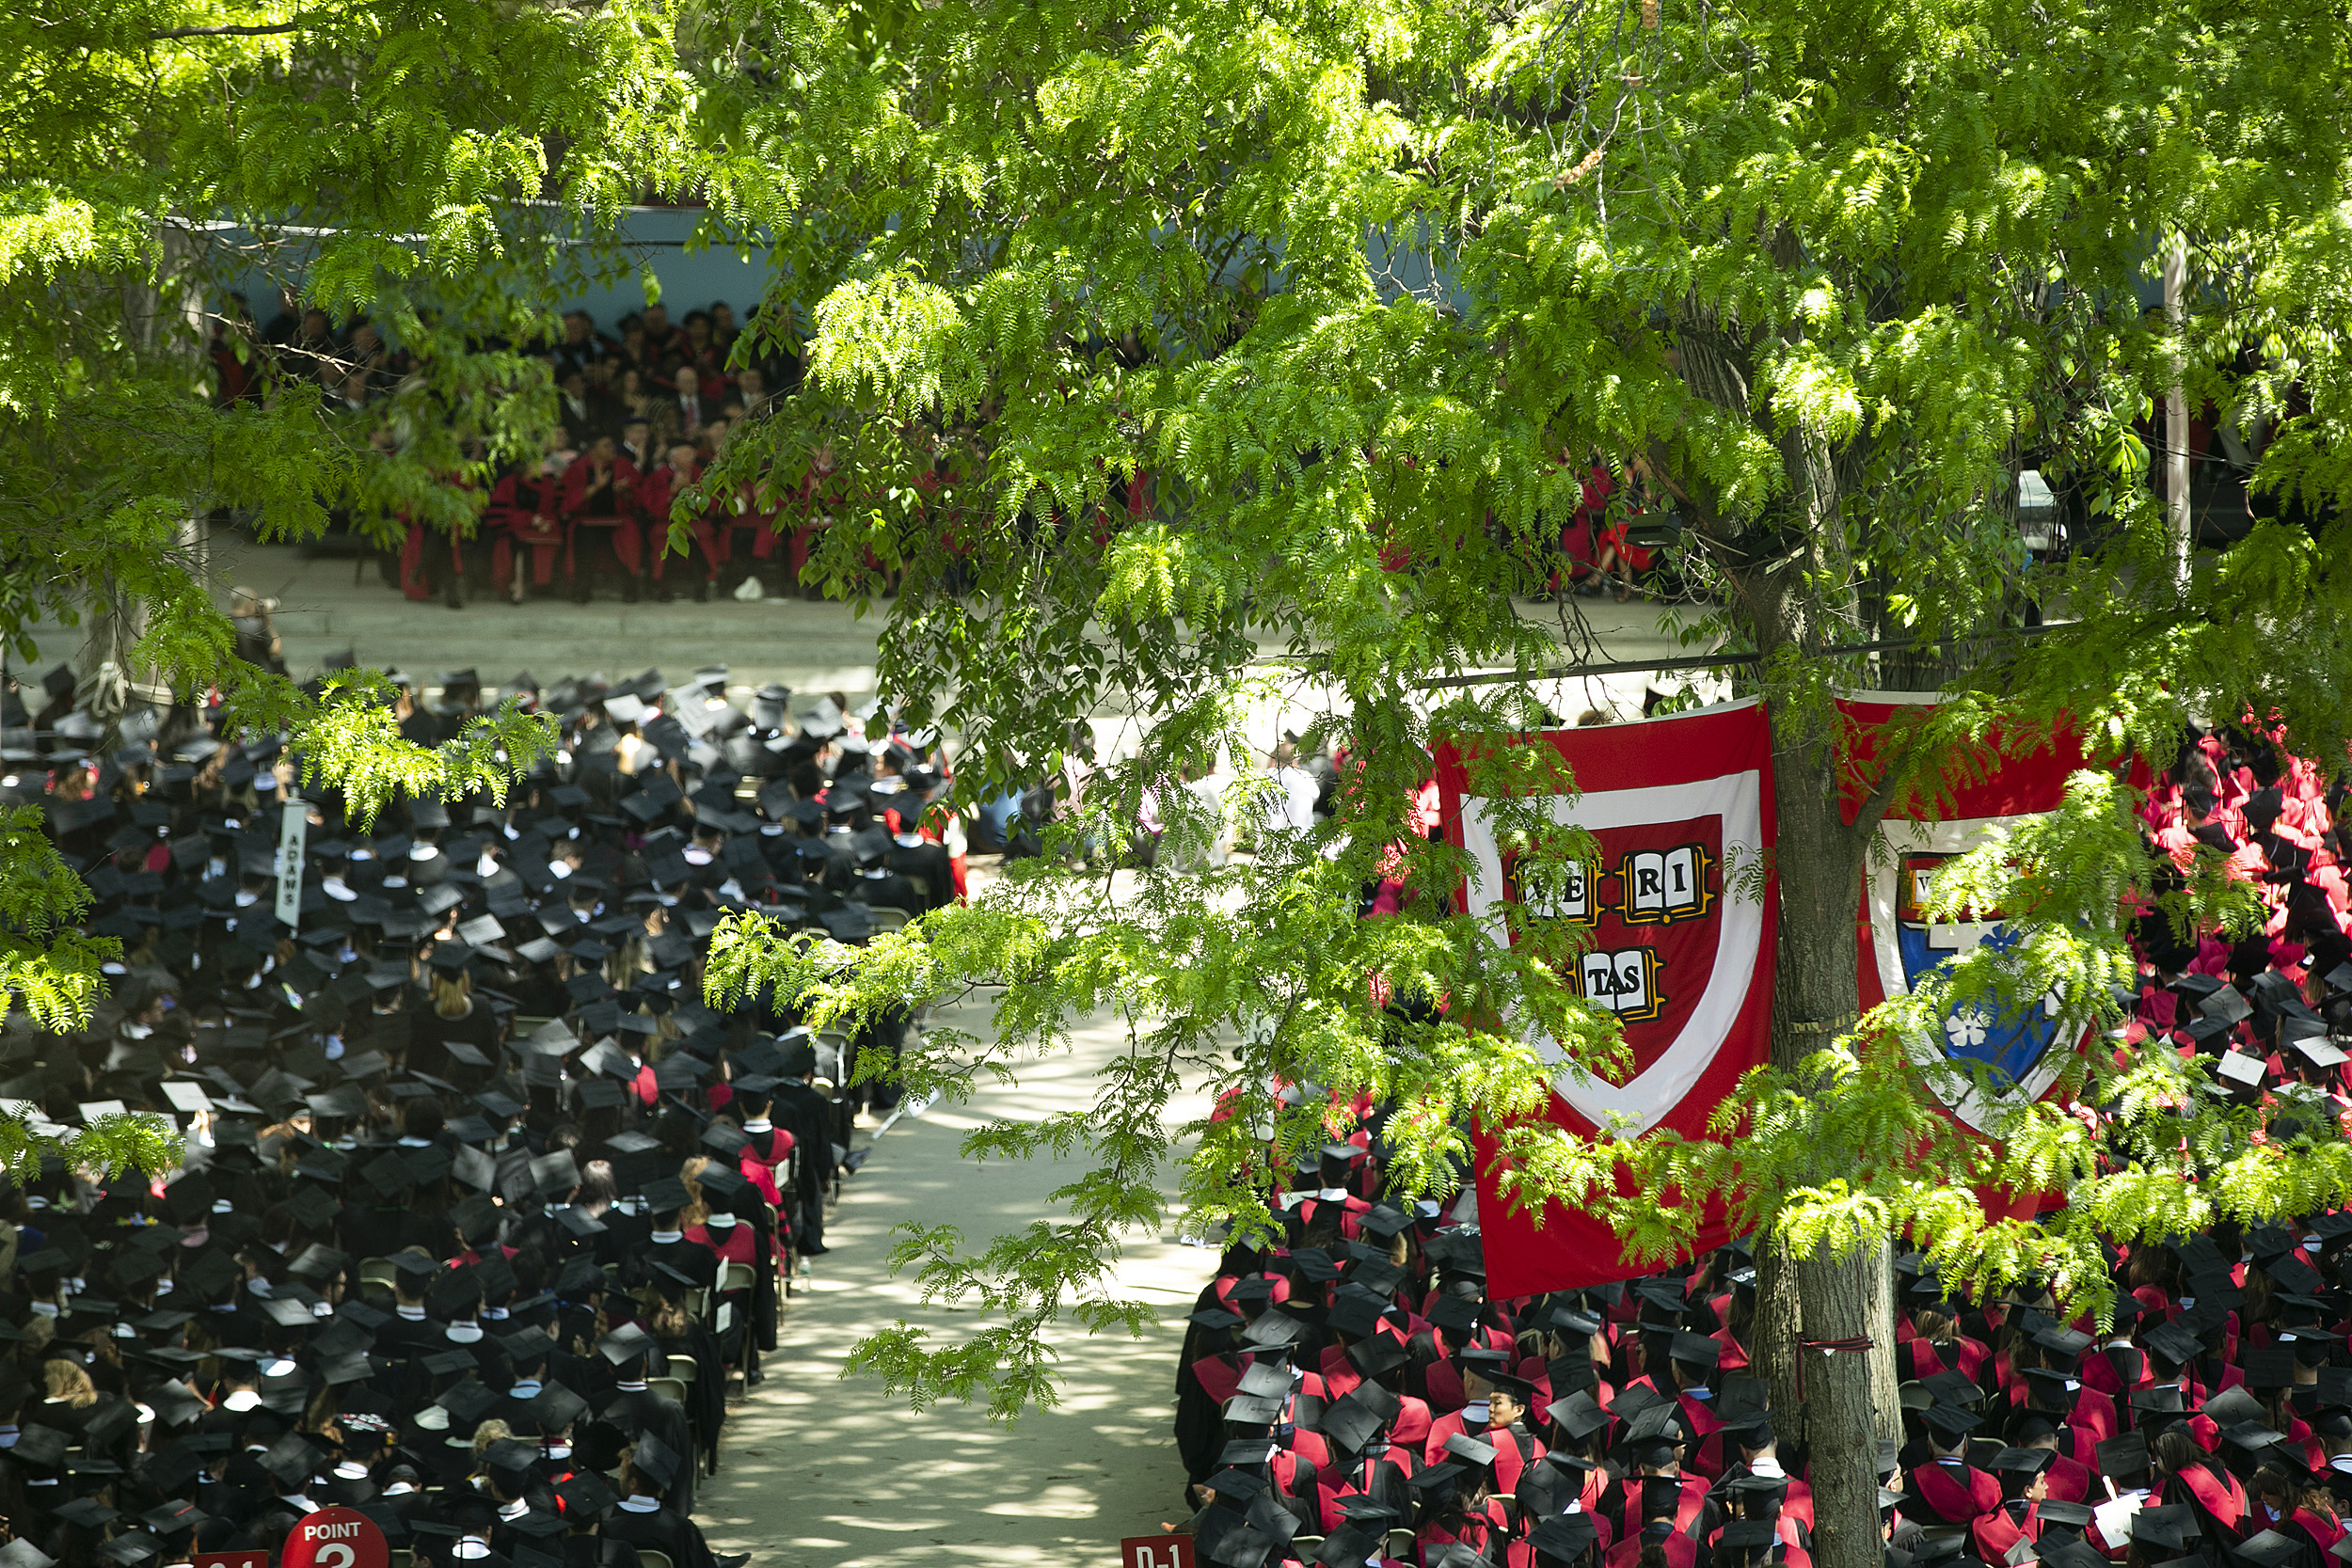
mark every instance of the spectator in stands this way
{"type": "Point", "coordinates": [690, 410]}
{"type": "Point", "coordinates": [657, 494]}
{"type": "Point", "coordinates": [521, 516]}
{"type": "Point", "coordinates": [599, 504]}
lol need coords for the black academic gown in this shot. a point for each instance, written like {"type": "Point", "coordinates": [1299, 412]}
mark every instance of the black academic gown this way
{"type": "Point", "coordinates": [808, 1116]}
{"type": "Point", "coordinates": [670, 1533]}
{"type": "Point", "coordinates": [638, 1411]}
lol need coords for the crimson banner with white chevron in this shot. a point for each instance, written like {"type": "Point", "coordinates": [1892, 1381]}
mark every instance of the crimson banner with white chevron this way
{"type": "Point", "coordinates": [1681, 947]}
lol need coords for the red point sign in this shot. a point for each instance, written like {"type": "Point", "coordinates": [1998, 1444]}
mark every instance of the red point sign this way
{"type": "Point", "coordinates": [334, 1538]}
{"type": "Point", "coordinates": [1155, 1551]}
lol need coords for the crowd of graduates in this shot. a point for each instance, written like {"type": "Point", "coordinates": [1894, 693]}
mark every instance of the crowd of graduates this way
{"type": "Point", "coordinates": [1353, 1395]}
{"type": "Point", "coordinates": [642, 412]}
{"type": "Point", "coordinates": [483, 1209]}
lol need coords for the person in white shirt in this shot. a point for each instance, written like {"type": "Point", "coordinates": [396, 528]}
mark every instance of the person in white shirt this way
{"type": "Point", "coordinates": [1289, 801]}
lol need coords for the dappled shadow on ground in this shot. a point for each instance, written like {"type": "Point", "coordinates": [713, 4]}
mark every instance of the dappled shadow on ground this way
{"type": "Point", "coordinates": [817, 1471]}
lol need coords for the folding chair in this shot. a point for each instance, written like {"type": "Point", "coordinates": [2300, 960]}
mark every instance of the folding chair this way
{"type": "Point", "coordinates": [652, 1559]}
{"type": "Point", "coordinates": [887, 918]}
{"type": "Point", "coordinates": [734, 1277]}
{"type": "Point", "coordinates": [378, 1270]}
{"type": "Point", "coordinates": [670, 1387]}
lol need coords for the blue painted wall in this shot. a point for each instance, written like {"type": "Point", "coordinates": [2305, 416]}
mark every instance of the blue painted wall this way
{"type": "Point", "coordinates": [689, 280]}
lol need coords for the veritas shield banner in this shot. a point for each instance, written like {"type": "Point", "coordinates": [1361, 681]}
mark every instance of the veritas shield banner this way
{"type": "Point", "coordinates": [1679, 905]}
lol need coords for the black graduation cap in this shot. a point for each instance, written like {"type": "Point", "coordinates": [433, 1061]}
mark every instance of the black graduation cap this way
{"type": "Point", "coordinates": [1950, 1421]}
{"type": "Point", "coordinates": [87, 1512]}
{"type": "Point", "coordinates": [1750, 1535]}
{"type": "Point", "coordinates": [555, 1172]}
{"type": "Point", "coordinates": [1253, 1410]}
{"type": "Point", "coordinates": [2071, 1551]}
{"type": "Point", "coordinates": [290, 1461]}
{"type": "Point", "coordinates": [1377, 1355]}
{"type": "Point", "coordinates": [1274, 1328]}
{"type": "Point", "coordinates": [2053, 1510]}
{"type": "Point", "coordinates": [467, 1400]}
{"type": "Point", "coordinates": [2228, 1004]}
{"type": "Point", "coordinates": [1564, 1537]}
{"type": "Point", "coordinates": [2123, 1456]}
{"type": "Point", "coordinates": [1350, 1425]}
{"type": "Point", "coordinates": [585, 1495]}
{"type": "Point", "coordinates": [1697, 1349]}
{"type": "Point", "coordinates": [556, 1407]}
{"type": "Point", "coordinates": [2270, 1367]}
{"type": "Point", "coordinates": [1578, 1414]}
{"type": "Point", "coordinates": [655, 1461]}
{"type": "Point", "coordinates": [2024, 1462]}
{"type": "Point", "coordinates": [1455, 1315]}
{"type": "Point", "coordinates": [2268, 1549]}
{"type": "Point", "coordinates": [625, 1344]}
{"type": "Point", "coordinates": [1470, 1450]}
{"type": "Point", "coordinates": [2173, 1343]}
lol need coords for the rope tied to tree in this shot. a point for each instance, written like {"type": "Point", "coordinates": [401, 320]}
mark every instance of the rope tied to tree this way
{"type": "Point", "coordinates": [1827, 1347]}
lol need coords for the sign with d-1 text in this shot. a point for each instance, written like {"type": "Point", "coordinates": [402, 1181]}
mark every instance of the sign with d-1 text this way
{"type": "Point", "coordinates": [334, 1538]}
{"type": "Point", "coordinates": [231, 1560]}
{"type": "Point", "coordinates": [1155, 1551]}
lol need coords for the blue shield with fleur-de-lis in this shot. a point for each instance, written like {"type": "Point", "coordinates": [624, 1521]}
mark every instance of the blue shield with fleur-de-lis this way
{"type": "Point", "coordinates": [2010, 1039]}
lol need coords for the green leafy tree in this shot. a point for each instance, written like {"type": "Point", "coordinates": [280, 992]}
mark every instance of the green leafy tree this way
{"type": "Point", "coordinates": [450, 172]}
{"type": "Point", "coordinates": [1190, 354]}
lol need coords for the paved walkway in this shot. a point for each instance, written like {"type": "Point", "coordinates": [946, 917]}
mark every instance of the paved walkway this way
{"type": "Point", "coordinates": [821, 1471]}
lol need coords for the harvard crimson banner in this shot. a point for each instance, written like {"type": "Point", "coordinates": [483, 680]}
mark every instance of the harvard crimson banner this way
{"type": "Point", "coordinates": [1899, 945]}
{"type": "Point", "coordinates": [1678, 952]}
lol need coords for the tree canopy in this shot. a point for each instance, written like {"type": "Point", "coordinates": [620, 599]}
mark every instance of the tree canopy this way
{"type": "Point", "coordinates": [1184, 354]}
{"type": "Point", "coordinates": [452, 170]}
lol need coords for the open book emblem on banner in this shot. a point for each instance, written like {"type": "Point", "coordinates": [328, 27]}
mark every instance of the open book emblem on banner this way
{"type": "Point", "coordinates": [1624, 980]}
{"type": "Point", "coordinates": [1647, 887]}
{"type": "Point", "coordinates": [1671, 945]}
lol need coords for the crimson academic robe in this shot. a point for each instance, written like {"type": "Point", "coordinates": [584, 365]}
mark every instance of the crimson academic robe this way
{"type": "Point", "coordinates": [1997, 1532]}
{"type": "Point", "coordinates": [2219, 1496]}
{"type": "Point", "coordinates": [1689, 1511]}
{"type": "Point", "coordinates": [1681, 1552]}
{"type": "Point", "coordinates": [1484, 1529]}
{"type": "Point", "coordinates": [1700, 1422]}
{"type": "Point", "coordinates": [1954, 1493]}
{"type": "Point", "coordinates": [1442, 1380]}
{"type": "Point", "coordinates": [2070, 1480]}
{"type": "Point", "coordinates": [1514, 1449]}
{"type": "Point", "coordinates": [1340, 1376]}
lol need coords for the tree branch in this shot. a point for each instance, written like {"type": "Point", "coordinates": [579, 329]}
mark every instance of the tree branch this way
{"type": "Point", "coordinates": [237, 30]}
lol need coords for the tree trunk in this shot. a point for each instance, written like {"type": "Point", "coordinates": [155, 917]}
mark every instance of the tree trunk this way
{"type": "Point", "coordinates": [1849, 1396]}
{"type": "Point", "coordinates": [1772, 1337]}
{"type": "Point", "coordinates": [1844, 1299]}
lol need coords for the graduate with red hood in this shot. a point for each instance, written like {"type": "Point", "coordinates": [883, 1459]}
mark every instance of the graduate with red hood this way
{"type": "Point", "coordinates": [2025, 1480]}
{"type": "Point", "coordinates": [1948, 1489]}
{"type": "Point", "coordinates": [1498, 1405]}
